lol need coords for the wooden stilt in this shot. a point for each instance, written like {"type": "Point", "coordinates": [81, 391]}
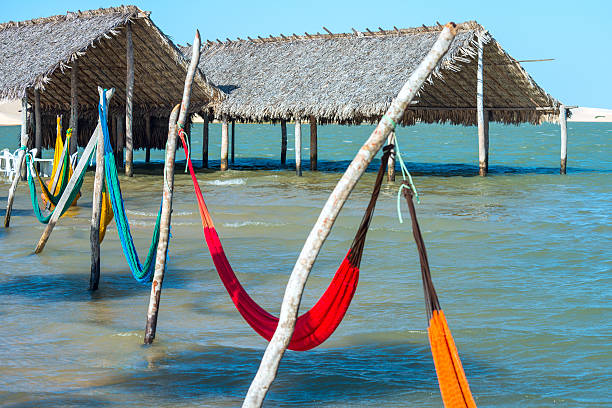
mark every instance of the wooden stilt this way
{"type": "Point", "coordinates": [120, 140]}
{"type": "Point", "coordinates": [298, 148]}
{"type": "Point", "coordinates": [563, 124]}
{"type": "Point", "coordinates": [148, 136]}
{"type": "Point", "coordinates": [233, 140]}
{"type": "Point", "coordinates": [74, 106]}
{"type": "Point", "coordinates": [224, 144]}
{"type": "Point", "coordinates": [313, 143]}
{"type": "Point", "coordinates": [205, 140]}
{"type": "Point", "coordinates": [295, 287]}
{"type": "Point", "coordinates": [164, 230]}
{"type": "Point", "coordinates": [129, 95]}
{"type": "Point", "coordinates": [483, 126]}
{"type": "Point", "coordinates": [38, 124]}
{"type": "Point", "coordinates": [20, 160]}
{"type": "Point", "coordinates": [283, 142]}
{"type": "Point", "coordinates": [391, 162]}
{"type": "Point", "coordinates": [96, 206]}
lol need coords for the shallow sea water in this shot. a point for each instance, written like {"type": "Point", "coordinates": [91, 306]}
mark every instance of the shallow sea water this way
{"type": "Point", "coordinates": [521, 259]}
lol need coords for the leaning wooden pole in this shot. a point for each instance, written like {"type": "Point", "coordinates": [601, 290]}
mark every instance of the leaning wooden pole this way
{"type": "Point", "coordinates": [96, 206]}
{"type": "Point", "coordinates": [164, 230]}
{"type": "Point", "coordinates": [295, 287]}
{"type": "Point", "coordinates": [283, 158]}
{"type": "Point", "coordinates": [563, 124]}
{"type": "Point", "coordinates": [482, 118]}
{"type": "Point", "coordinates": [129, 96]}
{"type": "Point", "coordinates": [20, 160]}
{"type": "Point", "coordinates": [298, 147]}
{"type": "Point", "coordinates": [391, 162]}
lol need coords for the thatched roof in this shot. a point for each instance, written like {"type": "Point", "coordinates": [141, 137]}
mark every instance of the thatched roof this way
{"type": "Point", "coordinates": [352, 78]}
{"type": "Point", "coordinates": [39, 54]}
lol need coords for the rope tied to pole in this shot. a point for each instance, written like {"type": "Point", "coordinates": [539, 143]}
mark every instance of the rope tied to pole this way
{"type": "Point", "coordinates": [183, 135]}
{"type": "Point", "coordinates": [407, 183]}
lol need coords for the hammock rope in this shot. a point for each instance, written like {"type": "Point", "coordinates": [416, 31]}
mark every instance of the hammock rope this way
{"type": "Point", "coordinates": [317, 324]}
{"type": "Point", "coordinates": [142, 272]}
{"type": "Point", "coordinates": [451, 377]}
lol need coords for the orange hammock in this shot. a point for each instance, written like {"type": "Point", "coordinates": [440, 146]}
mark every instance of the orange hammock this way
{"type": "Point", "coordinates": [316, 325]}
{"type": "Point", "coordinates": [451, 377]}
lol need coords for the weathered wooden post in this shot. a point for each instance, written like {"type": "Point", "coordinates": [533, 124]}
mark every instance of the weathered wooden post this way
{"type": "Point", "coordinates": [74, 105]}
{"type": "Point", "coordinates": [224, 144]}
{"type": "Point", "coordinates": [148, 136]}
{"type": "Point", "coordinates": [233, 141]}
{"type": "Point", "coordinates": [120, 140]}
{"type": "Point", "coordinates": [96, 206]}
{"type": "Point", "coordinates": [283, 142]}
{"type": "Point", "coordinates": [391, 162]}
{"type": "Point", "coordinates": [483, 120]}
{"type": "Point", "coordinates": [164, 230]}
{"type": "Point", "coordinates": [205, 140]}
{"type": "Point", "coordinates": [295, 287]}
{"type": "Point", "coordinates": [563, 124]}
{"type": "Point", "coordinates": [313, 143]}
{"type": "Point", "coordinates": [20, 159]}
{"type": "Point", "coordinates": [38, 124]}
{"type": "Point", "coordinates": [129, 95]}
{"type": "Point", "coordinates": [298, 147]}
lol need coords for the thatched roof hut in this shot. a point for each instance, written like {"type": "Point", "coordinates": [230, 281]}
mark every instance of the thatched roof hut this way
{"type": "Point", "coordinates": [352, 78]}
{"type": "Point", "coordinates": [39, 54]}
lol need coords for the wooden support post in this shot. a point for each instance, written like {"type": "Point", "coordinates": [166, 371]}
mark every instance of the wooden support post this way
{"type": "Point", "coordinates": [482, 118]}
{"type": "Point", "coordinates": [298, 148]}
{"type": "Point", "coordinates": [74, 106]}
{"type": "Point", "coordinates": [205, 140]}
{"type": "Point", "coordinates": [313, 143]}
{"type": "Point", "coordinates": [391, 162]}
{"type": "Point", "coordinates": [96, 206]}
{"type": "Point", "coordinates": [129, 95]}
{"type": "Point", "coordinates": [165, 218]}
{"type": "Point", "coordinates": [295, 287]}
{"type": "Point", "coordinates": [20, 160]}
{"type": "Point", "coordinates": [233, 141]}
{"type": "Point", "coordinates": [38, 124]}
{"type": "Point", "coordinates": [563, 124]}
{"type": "Point", "coordinates": [120, 140]}
{"type": "Point", "coordinates": [148, 136]}
{"type": "Point", "coordinates": [224, 144]}
{"type": "Point", "coordinates": [283, 142]}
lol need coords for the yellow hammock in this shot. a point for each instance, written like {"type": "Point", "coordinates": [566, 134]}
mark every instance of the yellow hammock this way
{"type": "Point", "coordinates": [106, 211]}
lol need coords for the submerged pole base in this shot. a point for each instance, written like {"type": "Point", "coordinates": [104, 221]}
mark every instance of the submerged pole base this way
{"type": "Point", "coordinates": [563, 166]}
{"type": "Point", "coordinates": [484, 169]}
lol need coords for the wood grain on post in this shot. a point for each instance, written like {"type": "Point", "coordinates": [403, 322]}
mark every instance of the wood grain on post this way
{"type": "Point", "coordinates": [96, 206]}
{"type": "Point", "coordinates": [224, 144]}
{"type": "Point", "coordinates": [165, 219]}
{"type": "Point", "coordinates": [283, 142]}
{"type": "Point", "coordinates": [313, 143]}
{"type": "Point", "coordinates": [20, 160]}
{"type": "Point", "coordinates": [74, 105]}
{"type": "Point", "coordinates": [38, 124]}
{"type": "Point", "coordinates": [129, 96]}
{"type": "Point", "coordinates": [233, 140]}
{"type": "Point", "coordinates": [295, 287]}
{"type": "Point", "coordinates": [391, 162]}
{"type": "Point", "coordinates": [483, 126]}
{"type": "Point", "coordinates": [298, 148]}
{"type": "Point", "coordinates": [120, 139]}
{"type": "Point", "coordinates": [563, 125]}
{"type": "Point", "coordinates": [205, 140]}
{"type": "Point", "coordinates": [148, 136]}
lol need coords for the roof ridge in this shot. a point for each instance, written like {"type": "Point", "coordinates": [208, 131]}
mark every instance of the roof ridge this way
{"type": "Point", "coordinates": [71, 15]}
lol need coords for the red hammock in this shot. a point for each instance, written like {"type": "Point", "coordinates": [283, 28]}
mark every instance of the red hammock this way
{"type": "Point", "coordinates": [316, 325]}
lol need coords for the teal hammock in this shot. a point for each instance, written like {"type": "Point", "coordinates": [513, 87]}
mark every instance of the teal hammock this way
{"type": "Point", "coordinates": [142, 272]}
{"type": "Point", "coordinates": [34, 196]}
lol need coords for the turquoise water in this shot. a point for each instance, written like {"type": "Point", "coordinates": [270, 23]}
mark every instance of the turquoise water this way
{"type": "Point", "coordinates": [521, 260]}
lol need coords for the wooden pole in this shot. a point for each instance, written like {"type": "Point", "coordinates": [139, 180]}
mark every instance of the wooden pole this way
{"type": "Point", "coordinates": [295, 287]}
{"type": "Point", "coordinates": [74, 106]}
{"type": "Point", "coordinates": [391, 162]}
{"type": "Point", "coordinates": [38, 124]}
{"type": "Point", "coordinates": [20, 160]}
{"type": "Point", "coordinates": [563, 124]}
{"type": "Point", "coordinates": [96, 206]}
{"type": "Point", "coordinates": [483, 134]}
{"type": "Point", "coordinates": [283, 142]}
{"type": "Point", "coordinates": [313, 143]}
{"type": "Point", "coordinates": [224, 144]}
{"type": "Point", "coordinates": [205, 140]}
{"type": "Point", "coordinates": [120, 139]}
{"type": "Point", "coordinates": [148, 136]}
{"type": "Point", "coordinates": [233, 144]}
{"type": "Point", "coordinates": [164, 230]}
{"type": "Point", "coordinates": [298, 148]}
{"type": "Point", "coordinates": [129, 95]}
{"type": "Point", "coordinates": [57, 212]}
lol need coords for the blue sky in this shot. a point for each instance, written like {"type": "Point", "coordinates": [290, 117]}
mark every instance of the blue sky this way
{"type": "Point", "coordinates": [577, 33]}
